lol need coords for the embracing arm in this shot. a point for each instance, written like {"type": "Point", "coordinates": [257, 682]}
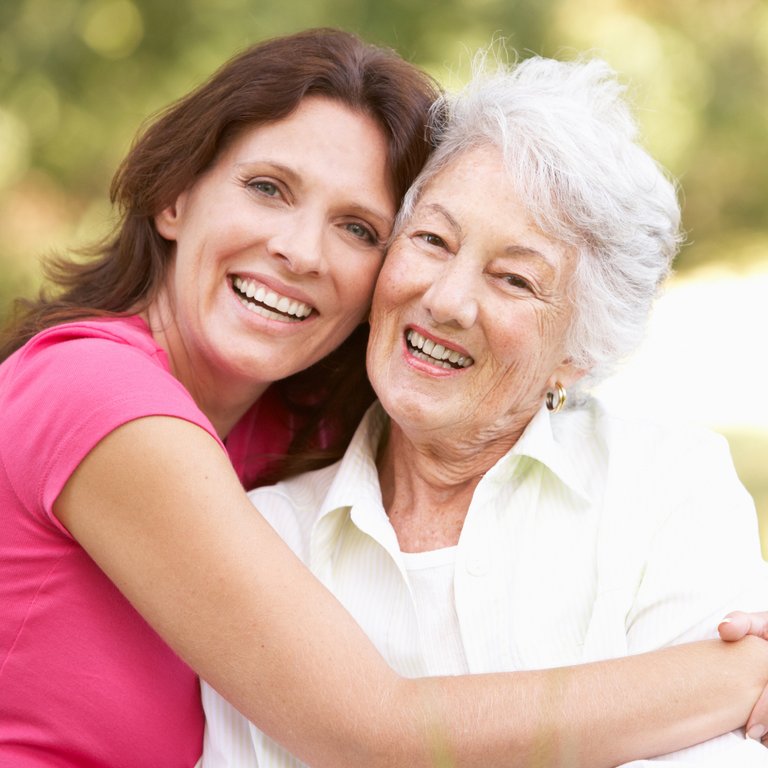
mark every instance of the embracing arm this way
{"type": "Point", "coordinates": [158, 507]}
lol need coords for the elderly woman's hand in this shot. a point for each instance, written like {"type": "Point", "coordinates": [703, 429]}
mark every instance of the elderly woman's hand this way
{"type": "Point", "coordinates": [739, 624]}
{"type": "Point", "coordinates": [733, 627]}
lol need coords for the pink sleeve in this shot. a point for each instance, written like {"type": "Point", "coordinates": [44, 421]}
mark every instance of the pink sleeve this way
{"type": "Point", "coordinates": [62, 398]}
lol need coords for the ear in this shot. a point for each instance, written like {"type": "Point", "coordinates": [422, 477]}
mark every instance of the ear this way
{"type": "Point", "coordinates": [167, 222]}
{"type": "Point", "coordinates": [567, 374]}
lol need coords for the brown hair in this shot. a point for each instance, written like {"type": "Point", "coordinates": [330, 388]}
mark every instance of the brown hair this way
{"type": "Point", "coordinates": [264, 83]}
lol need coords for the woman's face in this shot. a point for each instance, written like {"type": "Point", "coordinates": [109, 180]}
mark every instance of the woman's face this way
{"type": "Point", "coordinates": [471, 308]}
{"type": "Point", "coordinates": [277, 247]}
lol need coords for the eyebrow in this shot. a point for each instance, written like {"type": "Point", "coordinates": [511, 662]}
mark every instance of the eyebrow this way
{"type": "Point", "coordinates": [528, 253]}
{"type": "Point", "coordinates": [437, 208]}
{"type": "Point", "coordinates": [522, 251]}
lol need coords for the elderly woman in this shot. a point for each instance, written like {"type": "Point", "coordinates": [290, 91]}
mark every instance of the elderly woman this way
{"type": "Point", "coordinates": [490, 514]}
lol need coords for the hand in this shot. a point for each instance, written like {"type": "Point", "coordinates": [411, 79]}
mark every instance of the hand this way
{"type": "Point", "coordinates": [739, 624]}
{"type": "Point", "coordinates": [733, 627]}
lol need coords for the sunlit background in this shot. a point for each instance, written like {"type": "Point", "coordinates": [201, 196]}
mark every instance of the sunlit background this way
{"type": "Point", "coordinates": [77, 77]}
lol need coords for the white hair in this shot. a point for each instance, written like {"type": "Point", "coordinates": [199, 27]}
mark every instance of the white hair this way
{"type": "Point", "coordinates": [570, 146]}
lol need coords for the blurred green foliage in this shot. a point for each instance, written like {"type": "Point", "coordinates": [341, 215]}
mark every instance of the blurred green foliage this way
{"type": "Point", "coordinates": [78, 77]}
{"type": "Point", "coordinates": [750, 449]}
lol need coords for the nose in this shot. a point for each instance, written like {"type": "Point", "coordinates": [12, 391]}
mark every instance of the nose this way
{"type": "Point", "coordinates": [299, 244]}
{"type": "Point", "coordinates": [451, 299]}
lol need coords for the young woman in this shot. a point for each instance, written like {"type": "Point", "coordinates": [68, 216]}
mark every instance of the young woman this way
{"type": "Point", "coordinates": [136, 402]}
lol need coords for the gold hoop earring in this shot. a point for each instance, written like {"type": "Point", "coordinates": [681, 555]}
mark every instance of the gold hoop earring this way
{"type": "Point", "coordinates": [556, 406]}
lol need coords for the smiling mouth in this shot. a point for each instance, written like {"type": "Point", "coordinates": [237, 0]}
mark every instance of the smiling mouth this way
{"type": "Point", "coordinates": [435, 354]}
{"type": "Point", "coordinates": [267, 303]}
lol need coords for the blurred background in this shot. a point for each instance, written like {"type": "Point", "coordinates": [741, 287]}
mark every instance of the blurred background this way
{"type": "Point", "coordinates": [78, 77]}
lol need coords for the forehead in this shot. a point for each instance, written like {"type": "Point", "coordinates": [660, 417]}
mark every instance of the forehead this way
{"type": "Point", "coordinates": [472, 185]}
{"type": "Point", "coordinates": [476, 195]}
{"type": "Point", "coordinates": [318, 121]}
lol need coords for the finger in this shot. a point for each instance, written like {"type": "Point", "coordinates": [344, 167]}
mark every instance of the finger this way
{"type": "Point", "coordinates": [738, 624]}
{"type": "Point", "coordinates": [734, 626]}
{"type": "Point", "coordinates": [758, 718]}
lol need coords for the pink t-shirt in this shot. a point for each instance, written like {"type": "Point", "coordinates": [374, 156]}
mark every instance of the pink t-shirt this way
{"type": "Point", "coordinates": [84, 680]}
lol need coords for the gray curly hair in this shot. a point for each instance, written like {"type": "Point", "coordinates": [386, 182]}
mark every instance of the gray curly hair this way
{"type": "Point", "coordinates": [571, 146]}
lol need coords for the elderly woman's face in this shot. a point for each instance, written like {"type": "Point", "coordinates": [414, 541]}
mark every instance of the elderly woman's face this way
{"type": "Point", "coordinates": [471, 308]}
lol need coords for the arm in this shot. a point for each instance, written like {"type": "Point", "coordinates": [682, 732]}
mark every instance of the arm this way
{"type": "Point", "coordinates": [185, 545]}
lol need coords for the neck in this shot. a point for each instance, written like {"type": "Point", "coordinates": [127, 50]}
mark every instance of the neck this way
{"type": "Point", "coordinates": [223, 398]}
{"type": "Point", "coordinates": [223, 416]}
{"type": "Point", "coordinates": [427, 487]}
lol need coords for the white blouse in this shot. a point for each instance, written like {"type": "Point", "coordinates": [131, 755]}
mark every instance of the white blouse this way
{"type": "Point", "coordinates": [596, 536]}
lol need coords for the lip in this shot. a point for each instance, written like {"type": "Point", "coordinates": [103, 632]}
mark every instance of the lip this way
{"type": "Point", "coordinates": [265, 312]}
{"type": "Point", "coordinates": [433, 369]}
{"type": "Point", "coordinates": [289, 291]}
{"type": "Point", "coordinates": [450, 343]}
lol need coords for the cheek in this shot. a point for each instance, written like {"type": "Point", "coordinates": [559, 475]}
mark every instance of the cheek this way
{"type": "Point", "coordinates": [383, 357]}
{"type": "Point", "coordinates": [553, 328]}
{"type": "Point", "coordinates": [547, 333]}
{"type": "Point", "coordinates": [357, 290]}
{"type": "Point", "coordinates": [528, 346]}
{"type": "Point", "coordinates": [385, 334]}
{"type": "Point", "coordinates": [393, 288]}
{"type": "Point", "coordinates": [518, 338]}
{"type": "Point", "coordinates": [384, 297]}
{"type": "Point", "coordinates": [382, 323]}
{"type": "Point", "coordinates": [405, 270]}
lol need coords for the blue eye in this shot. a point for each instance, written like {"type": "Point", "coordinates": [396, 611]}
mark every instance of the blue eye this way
{"type": "Point", "coordinates": [362, 232]}
{"type": "Point", "coordinates": [264, 187]}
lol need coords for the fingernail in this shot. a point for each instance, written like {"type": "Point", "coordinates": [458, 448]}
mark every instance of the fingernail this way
{"type": "Point", "coordinates": [725, 621]}
{"type": "Point", "coordinates": [756, 732]}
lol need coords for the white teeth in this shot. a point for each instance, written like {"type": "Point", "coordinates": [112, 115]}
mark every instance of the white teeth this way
{"type": "Point", "coordinates": [286, 309]}
{"type": "Point", "coordinates": [437, 354]}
